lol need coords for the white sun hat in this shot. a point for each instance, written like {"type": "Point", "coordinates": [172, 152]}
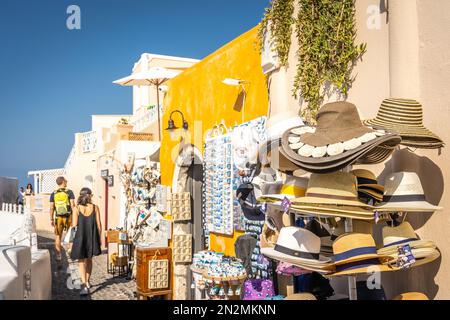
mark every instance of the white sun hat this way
{"type": "Point", "coordinates": [300, 247]}
{"type": "Point", "coordinates": [403, 192]}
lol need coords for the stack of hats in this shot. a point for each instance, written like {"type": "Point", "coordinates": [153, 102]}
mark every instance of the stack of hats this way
{"type": "Point", "coordinates": [403, 192]}
{"type": "Point", "coordinates": [299, 247]}
{"type": "Point", "coordinates": [368, 187]}
{"type": "Point", "coordinates": [340, 139]}
{"type": "Point", "coordinates": [423, 251]}
{"type": "Point", "coordinates": [290, 188]}
{"type": "Point", "coordinates": [356, 253]}
{"type": "Point", "coordinates": [405, 116]}
{"type": "Point", "coordinates": [333, 194]}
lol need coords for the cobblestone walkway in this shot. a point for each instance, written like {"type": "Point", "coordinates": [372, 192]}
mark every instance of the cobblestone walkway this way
{"type": "Point", "coordinates": [66, 281]}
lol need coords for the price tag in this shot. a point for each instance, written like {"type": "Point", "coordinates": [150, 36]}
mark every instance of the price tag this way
{"type": "Point", "coordinates": [285, 204]}
{"type": "Point", "coordinates": [405, 257]}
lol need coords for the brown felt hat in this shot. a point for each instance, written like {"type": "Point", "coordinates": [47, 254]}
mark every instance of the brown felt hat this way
{"type": "Point", "coordinates": [339, 139]}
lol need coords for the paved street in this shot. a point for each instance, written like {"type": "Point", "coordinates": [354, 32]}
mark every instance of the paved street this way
{"type": "Point", "coordinates": [66, 282]}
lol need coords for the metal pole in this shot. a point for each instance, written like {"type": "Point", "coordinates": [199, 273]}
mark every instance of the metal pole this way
{"type": "Point", "coordinates": [352, 293]}
{"type": "Point", "coordinates": [159, 116]}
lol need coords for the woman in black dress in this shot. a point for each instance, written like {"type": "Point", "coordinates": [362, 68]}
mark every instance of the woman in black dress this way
{"type": "Point", "coordinates": [86, 242]}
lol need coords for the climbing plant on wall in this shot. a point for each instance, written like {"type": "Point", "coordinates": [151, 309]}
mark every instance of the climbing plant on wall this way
{"type": "Point", "coordinates": [278, 20]}
{"type": "Point", "coordinates": [325, 30]}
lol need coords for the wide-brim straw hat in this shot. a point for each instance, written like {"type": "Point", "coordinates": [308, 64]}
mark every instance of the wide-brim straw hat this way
{"type": "Point", "coordinates": [300, 247]}
{"type": "Point", "coordinates": [405, 116]}
{"type": "Point", "coordinates": [339, 135]}
{"type": "Point", "coordinates": [356, 253]}
{"type": "Point", "coordinates": [401, 235]}
{"type": "Point", "coordinates": [404, 193]}
{"type": "Point", "coordinates": [301, 296]}
{"type": "Point", "coordinates": [292, 187]}
{"type": "Point", "coordinates": [366, 178]}
{"type": "Point", "coordinates": [335, 189]}
{"type": "Point", "coordinates": [333, 211]}
{"type": "Point", "coordinates": [422, 256]}
{"type": "Point", "coordinates": [411, 296]}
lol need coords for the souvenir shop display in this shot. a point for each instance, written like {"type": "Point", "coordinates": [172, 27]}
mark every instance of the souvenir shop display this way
{"type": "Point", "coordinates": [218, 200]}
{"type": "Point", "coordinates": [153, 269]}
{"type": "Point", "coordinates": [162, 197]}
{"type": "Point", "coordinates": [405, 116]}
{"type": "Point", "coordinates": [118, 259]}
{"type": "Point", "coordinates": [180, 206]}
{"type": "Point", "coordinates": [182, 248]}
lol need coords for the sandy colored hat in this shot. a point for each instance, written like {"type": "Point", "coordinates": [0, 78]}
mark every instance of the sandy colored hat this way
{"type": "Point", "coordinates": [333, 211]}
{"type": "Point", "coordinates": [356, 253]}
{"type": "Point", "coordinates": [301, 296]}
{"type": "Point", "coordinates": [403, 192]}
{"type": "Point", "coordinates": [338, 137]}
{"type": "Point", "coordinates": [400, 235]}
{"type": "Point", "coordinates": [292, 187]}
{"type": "Point", "coordinates": [297, 246]}
{"type": "Point", "coordinates": [405, 116]}
{"type": "Point", "coordinates": [367, 178]}
{"type": "Point", "coordinates": [337, 189]}
{"type": "Point", "coordinates": [411, 296]}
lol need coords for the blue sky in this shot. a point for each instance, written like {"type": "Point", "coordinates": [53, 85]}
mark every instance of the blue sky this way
{"type": "Point", "coordinates": [52, 79]}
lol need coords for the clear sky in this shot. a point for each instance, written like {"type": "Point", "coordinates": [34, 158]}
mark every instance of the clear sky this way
{"type": "Point", "coordinates": [52, 79]}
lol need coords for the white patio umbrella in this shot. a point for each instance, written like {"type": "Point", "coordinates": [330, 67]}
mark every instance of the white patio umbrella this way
{"type": "Point", "coordinates": [155, 76]}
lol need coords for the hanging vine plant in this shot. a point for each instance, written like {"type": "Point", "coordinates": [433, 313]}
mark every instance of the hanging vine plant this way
{"type": "Point", "coordinates": [279, 21]}
{"type": "Point", "coordinates": [326, 32]}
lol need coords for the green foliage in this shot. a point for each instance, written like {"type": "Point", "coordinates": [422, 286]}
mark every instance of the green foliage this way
{"type": "Point", "coordinates": [326, 33]}
{"type": "Point", "coordinates": [281, 17]}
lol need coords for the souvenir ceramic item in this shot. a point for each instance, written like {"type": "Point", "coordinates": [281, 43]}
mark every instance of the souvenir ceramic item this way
{"type": "Point", "coordinates": [158, 274]}
{"type": "Point", "coordinates": [181, 206]}
{"type": "Point", "coordinates": [182, 248]}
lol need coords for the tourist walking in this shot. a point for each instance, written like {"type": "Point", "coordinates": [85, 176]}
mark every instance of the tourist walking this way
{"type": "Point", "coordinates": [21, 197]}
{"type": "Point", "coordinates": [86, 243]}
{"type": "Point", "coordinates": [62, 201]}
{"type": "Point", "coordinates": [29, 191]}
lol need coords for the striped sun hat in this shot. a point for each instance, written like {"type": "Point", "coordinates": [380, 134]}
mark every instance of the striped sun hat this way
{"type": "Point", "coordinates": [405, 116]}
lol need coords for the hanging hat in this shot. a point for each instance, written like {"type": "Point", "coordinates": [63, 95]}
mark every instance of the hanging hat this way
{"type": "Point", "coordinates": [246, 198]}
{"type": "Point", "coordinates": [301, 296]}
{"type": "Point", "coordinates": [356, 253]}
{"type": "Point", "coordinates": [292, 187]}
{"type": "Point", "coordinates": [403, 192]}
{"type": "Point", "coordinates": [405, 116]}
{"type": "Point", "coordinates": [276, 125]}
{"type": "Point", "coordinates": [368, 185]}
{"type": "Point", "coordinates": [299, 247]}
{"type": "Point", "coordinates": [424, 251]}
{"type": "Point", "coordinates": [411, 296]}
{"type": "Point", "coordinates": [339, 139]}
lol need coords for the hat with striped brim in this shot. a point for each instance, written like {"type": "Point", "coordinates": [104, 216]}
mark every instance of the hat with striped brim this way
{"type": "Point", "coordinates": [356, 253]}
{"type": "Point", "coordinates": [405, 116]}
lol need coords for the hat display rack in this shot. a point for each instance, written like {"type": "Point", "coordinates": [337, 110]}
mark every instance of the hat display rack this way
{"type": "Point", "coordinates": [401, 194]}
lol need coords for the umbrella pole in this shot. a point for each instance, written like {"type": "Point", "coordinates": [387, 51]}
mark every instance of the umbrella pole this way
{"type": "Point", "coordinates": [159, 116]}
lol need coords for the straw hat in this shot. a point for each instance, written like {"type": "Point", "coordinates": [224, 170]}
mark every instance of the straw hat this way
{"type": "Point", "coordinates": [356, 253]}
{"type": "Point", "coordinates": [292, 187]}
{"type": "Point", "coordinates": [411, 296]}
{"type": "Point", "coordinates": [368, 185]}
{"type": "Point", "coordinates": [424, 251]}
{"type": "Point", "coordinates": [300, 247]}
{"type": "Point", "coordinates": [339, 139]}
{"type": "Point", "coordinates": [334, 189]}
{"type": "Point", "coordinates": [301, 296]}
{"type": "Point", "coordinates": [405, 116]}
{"type": "Point", "coordinates": [403, 192]}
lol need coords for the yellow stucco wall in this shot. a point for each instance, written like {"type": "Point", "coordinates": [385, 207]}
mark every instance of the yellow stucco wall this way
{"type": "Point", "coordinates": [205, 101]}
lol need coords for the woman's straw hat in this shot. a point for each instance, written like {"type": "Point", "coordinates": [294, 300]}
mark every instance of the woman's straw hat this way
{"type": "Point", "coordinates": [405, 116]}
{"type": "Point", "coordinates": [292, 187]}
{"type": "Point", "coordinates": [301, 296]}
{"type": "Point", "coordinates": [411, 296]}
{"type": "Point", "coordinates": [403, 192]}
{"type": "Point", "coordinates": [300, 247]}
{"type": "Point", "coordinates": [356, 253]}
{"type": "Point", "coordinates": [339, 139]}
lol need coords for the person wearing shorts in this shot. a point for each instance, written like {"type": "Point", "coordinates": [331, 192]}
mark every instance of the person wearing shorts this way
{"type": "Point", "coordinates": [61, 222]}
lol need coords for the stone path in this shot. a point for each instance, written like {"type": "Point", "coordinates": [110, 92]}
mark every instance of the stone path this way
{"type": "Point", "coordinates": [66, 281]}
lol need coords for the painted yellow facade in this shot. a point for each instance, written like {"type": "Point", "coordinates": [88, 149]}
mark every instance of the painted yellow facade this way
{"type": "Point", "coordinates": [205, 101]}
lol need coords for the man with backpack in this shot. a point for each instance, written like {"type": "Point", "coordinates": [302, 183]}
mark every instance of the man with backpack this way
{"type": "Point", "coordinates": [62, 201]}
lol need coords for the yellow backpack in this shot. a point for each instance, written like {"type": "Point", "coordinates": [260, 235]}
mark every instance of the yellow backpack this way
{"type": "Point", "coordinates": [62, 202]}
